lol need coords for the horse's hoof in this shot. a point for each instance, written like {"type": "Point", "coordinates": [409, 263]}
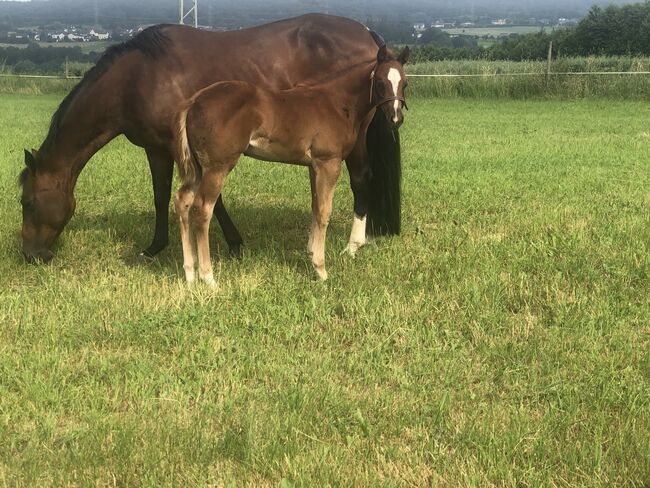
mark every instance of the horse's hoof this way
{"type": "Point", "coordinates": [235, 251]}
{"type": "Point", "coordinates": [351, 249]}
{"type": "Point", "coordinates": [145, 258]}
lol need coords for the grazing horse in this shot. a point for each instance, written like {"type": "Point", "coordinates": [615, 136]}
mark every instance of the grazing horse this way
{"type": "Point", "coordinates": [138, 88]}
{"type": "Point", "coordinates": [315, 126]}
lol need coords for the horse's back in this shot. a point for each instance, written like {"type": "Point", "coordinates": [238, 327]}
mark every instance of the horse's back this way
{"type": "Point", "coordinates": [278, 56]}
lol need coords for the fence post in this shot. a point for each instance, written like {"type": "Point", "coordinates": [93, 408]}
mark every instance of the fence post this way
{"type": "Point", "coordinates": [66, 67]}
{"type": "Point", "coordinates": [549, 59]}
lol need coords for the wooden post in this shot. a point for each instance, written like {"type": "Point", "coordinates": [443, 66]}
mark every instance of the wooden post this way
{"type": "Point", "coordinates": [66, 67]}
{"type": "Point", "coordinates": [550, 58]}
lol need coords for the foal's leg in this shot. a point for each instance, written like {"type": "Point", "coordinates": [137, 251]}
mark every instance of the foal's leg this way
{"type": "Point", "coordinates": [325, 175]}
{"type": "Point", "coordinates": [182, 202]}
{"type": "Point", "coordinates": [201, 212]}
{"type": "Point", "coordinates": [161, 164]}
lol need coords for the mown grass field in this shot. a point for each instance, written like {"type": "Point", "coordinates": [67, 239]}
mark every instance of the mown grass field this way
{"type": "Point", "coordinates": [502, 340]}
{"type": "Point", "coordinates": [494, 31]}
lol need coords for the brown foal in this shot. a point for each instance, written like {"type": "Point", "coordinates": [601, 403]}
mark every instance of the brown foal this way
{"type": "Point", "coordinates": [315, 126]}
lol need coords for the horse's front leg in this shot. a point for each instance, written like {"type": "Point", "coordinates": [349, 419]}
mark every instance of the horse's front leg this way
{"type": "Point", "coordinates": [161, 165]}
{"type": "Point", "coordinates": [323, 176]}
{"type": "Point", "coordinates": [359, 169]}
{"type": "Point", "coordinates": [182, 202]}
{"type": "Point", "coordinates": [201, 212]}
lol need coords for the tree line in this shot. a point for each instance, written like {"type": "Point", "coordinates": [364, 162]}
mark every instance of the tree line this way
{"type": "Point", "coordinates": [35, 59]}
{"type": "Point", "coordinates": [612, 31]}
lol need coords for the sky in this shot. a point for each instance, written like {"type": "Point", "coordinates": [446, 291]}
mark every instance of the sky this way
{"type": "Point", "coordinates": [262, 10]}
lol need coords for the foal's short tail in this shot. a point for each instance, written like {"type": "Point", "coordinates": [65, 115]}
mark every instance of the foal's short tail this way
{"type": "Point", "coordinates": [188, 165]}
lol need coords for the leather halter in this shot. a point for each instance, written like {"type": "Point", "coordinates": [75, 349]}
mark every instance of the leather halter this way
{"type": "Point", "coordinates": [385, 99]}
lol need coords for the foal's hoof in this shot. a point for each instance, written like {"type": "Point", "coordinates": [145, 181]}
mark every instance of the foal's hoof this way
{"type": "Point", "coordinates": [322, 274]}
{"type": "Point", "coordinates": [209, 281]}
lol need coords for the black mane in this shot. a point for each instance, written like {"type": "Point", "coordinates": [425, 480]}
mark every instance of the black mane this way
{"type": "Point", "coordinates": [151, 41]}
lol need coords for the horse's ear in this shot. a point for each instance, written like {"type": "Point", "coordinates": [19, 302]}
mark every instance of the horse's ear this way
{"type": "Point", "coordinates": [30, 160]}
{"type": "Point", "coordinates": [382, 55]}
{"type": "Point", "coordinates": [404, 56]}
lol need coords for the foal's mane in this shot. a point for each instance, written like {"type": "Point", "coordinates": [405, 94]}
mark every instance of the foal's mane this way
{"type": "Point", "coordinates": [151, 41]}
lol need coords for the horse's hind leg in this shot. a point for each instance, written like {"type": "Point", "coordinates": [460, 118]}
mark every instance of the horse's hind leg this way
{"type": "Point", "coordinates": [230, 232]}
{"type": "Point", "coordinates": [324, 176]}
{"type": "Point", "coordinates": [182, 202]}
{"type": "Point", "coordinates": [206, 197]}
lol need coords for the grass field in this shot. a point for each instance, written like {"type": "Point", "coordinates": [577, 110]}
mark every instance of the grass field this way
{"type": "Point", "coordinates": [494, 31]}
{"type": "Point", "coordinates": [502, 340]}
{"type": "Point", "coordinates": [86, 47]}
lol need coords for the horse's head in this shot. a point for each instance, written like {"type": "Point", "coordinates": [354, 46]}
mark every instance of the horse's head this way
{"type": "Point", "coordinates": [388, 84]}
{"type": "Point", "coordinates": [48, 205]}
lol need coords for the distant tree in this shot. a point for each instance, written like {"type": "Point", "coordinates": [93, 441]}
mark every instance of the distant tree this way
{"type": "Point", "coordinates": [392, 30]}
{"type": "Point", "coordinates": [25, 67]}
{"type": "Point", "coordinates": [435, 37]}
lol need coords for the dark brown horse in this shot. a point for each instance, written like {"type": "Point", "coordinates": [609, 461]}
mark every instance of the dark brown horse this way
{"type": "Point", "coordinates": [138, 88]}
{"type": "Point", "coordinates": [315, 126]}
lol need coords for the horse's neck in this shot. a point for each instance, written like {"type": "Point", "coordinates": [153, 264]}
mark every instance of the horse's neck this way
{"type": "Point", "coordinates": [84, 129]}
{"type": "Point", "coordinates": [352, 89]}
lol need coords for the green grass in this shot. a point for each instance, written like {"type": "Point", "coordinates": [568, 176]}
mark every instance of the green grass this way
{"type": "Point", "coordinates": [86, 47]}
{"type": "Point", "coordinates": [502, 340]}
{"type": "Point", "coordinates": [536, 84]}
{"type": "Point", "coordinates": [494, 31]}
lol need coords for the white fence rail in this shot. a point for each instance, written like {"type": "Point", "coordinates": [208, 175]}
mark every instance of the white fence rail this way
{"type": "Point", "coordinates": [552, 73]}
{"type": "Point", "coordinates": [412, 75]}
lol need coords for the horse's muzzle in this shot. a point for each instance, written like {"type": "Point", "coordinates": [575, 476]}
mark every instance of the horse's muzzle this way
{"type": "Point", "coordinates": [36, 256]}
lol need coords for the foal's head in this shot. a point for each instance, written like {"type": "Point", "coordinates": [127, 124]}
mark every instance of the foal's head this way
{"type": "Point", "coordinates": [48, 205]}
{"type": "Point", "coordinates": [388, 85]}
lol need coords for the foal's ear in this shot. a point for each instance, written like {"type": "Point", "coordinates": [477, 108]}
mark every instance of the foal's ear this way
{"type": "Point", "coordinates": [382, 55]}
{"type": "Point", "coordinates": [30, 160]}
{"type": "Point", "coordinates": [404, 56]}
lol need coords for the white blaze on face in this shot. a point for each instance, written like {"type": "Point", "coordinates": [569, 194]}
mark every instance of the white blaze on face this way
{"type": "Point", "coordinates": [394, 77]}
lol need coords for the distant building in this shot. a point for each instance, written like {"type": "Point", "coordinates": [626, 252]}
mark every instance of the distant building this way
{"type": "Point", "coordinates": [99, 34]}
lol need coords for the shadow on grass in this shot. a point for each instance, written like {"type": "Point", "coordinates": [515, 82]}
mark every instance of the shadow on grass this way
{"type": "Point", "coordinates": [276, 231]}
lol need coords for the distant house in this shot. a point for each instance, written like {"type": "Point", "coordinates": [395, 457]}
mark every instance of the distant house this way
{"type": "Point", "coordinates": [99, 34]}
{"type": "Point", "coordinates": [441, 24]}
{"type": "Point", "coordinates": [77, 38]}
{"type": "Point", "coordinates": [501, 22]}
{"type": "Point", "coordinates": [57, 36]}
{"type": "Point", "coordinates": [419, 27]}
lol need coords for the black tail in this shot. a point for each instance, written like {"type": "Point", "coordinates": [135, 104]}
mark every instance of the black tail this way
{"type": "Point", "coordinates": [384, 216]}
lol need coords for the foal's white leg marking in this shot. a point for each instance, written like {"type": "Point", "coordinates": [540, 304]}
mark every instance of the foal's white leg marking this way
{"type": "Point", "coordinates": [394, 77]}
{"type": "Point", "coordinates": [182, 202]}
{"type": "Point", "coordinates": [357, 236]}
